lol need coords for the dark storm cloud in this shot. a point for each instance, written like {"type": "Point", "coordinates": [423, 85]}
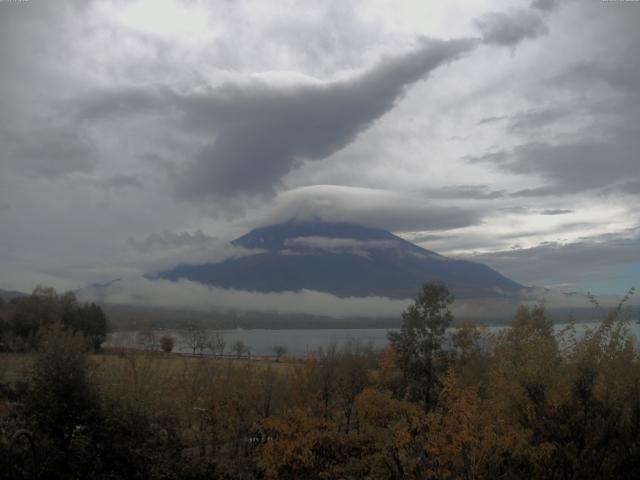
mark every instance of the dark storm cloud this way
{"type": "Point", "coordinates": [574, 262]}
{"type": "Point", "coordinates": [556, 211]}
{"type": "Point", "coordinates": [251, 134]}
{"type": "Point", "coordinates": [632, 187]}
{"type": "Point", "coordinates": [496, 157]}
{"type": "Point", "coordinates": [592, 139]}
{"type": "Point", "coordinates": [515, 209]}
{"type": "Point", "coordinates": [545, 5]}
{"type": "Point", "coordinates": [536, 119]}
{"type": "Point", "coordinates": [476, 192]}
{"type": "Point", "coordinates": [525, 121]}
{"type": "Point", "coordinates": [51, 152]}
{"type": "Point", "coordinates": [619, 71]}
{"type": "Point", "coordinates": [262, 131]}
{"type": "Point", "coordinates": [497, 118]}
{"type": "Point", "coordinates": [117, 103]}
{"type": "Point", "coordinates": [259, 132]}
{"type": "Point", "coordinates": [121, 181]}
{"type": "Point", "coordinates": [571, 167]}
{"type": "Point", "coordinates": [511, 27]}
{"type": "Point", "coordinates": [34, 46]}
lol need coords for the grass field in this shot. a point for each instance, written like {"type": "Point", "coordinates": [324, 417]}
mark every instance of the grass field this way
{"type": "Point", "coordinates": [14, 366]}
{"type": "Point", "coordinates": [17, 366]}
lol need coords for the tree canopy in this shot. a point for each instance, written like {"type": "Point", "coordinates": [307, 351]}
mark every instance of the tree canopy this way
{"type": "Point", "coordinates": [419, 340]}
{"type": "Point", "coordinates": [24, 320]}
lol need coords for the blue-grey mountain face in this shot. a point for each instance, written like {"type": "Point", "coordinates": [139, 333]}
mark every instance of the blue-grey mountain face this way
{"type": "Point", "coordinates": [8, 295]}
{"type": "Point", "coordinates": [343, 259]}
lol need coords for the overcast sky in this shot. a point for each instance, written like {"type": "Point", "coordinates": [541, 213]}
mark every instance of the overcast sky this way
{"type": "Point", "coordinates": [137, 134]}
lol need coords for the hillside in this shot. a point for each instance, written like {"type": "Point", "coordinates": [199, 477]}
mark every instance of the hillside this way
{"type": "Point", "coordinates": [344, 259]}
{"type": "Point", "coordinates": [8, 295]}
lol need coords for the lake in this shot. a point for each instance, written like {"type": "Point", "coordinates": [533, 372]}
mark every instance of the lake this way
{"type": "Point", "coordinates": [299, 342]}
{"type": "Point", "coordinates": [261, 341]}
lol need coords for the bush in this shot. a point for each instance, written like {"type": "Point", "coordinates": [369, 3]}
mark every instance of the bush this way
{"type": "Point", "coordinates": [167, 343]}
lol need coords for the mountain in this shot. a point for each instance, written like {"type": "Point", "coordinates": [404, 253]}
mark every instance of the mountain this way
{"type": "Point", "coordinates": [344, 259]}
{"type": "Point", "coordinates": [8, 295]}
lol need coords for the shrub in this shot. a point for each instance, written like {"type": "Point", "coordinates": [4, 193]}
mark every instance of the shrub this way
{"type": "Point", "coordinates": [167, 343]}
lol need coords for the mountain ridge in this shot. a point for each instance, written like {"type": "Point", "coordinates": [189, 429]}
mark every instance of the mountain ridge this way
{"type": "Point", "coordinates": [344, 259]}
{"type": "Point", "coordinates": [8, 295]}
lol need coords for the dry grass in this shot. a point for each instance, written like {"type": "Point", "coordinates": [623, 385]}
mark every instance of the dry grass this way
{"type": "Point", "coordinates": [170, 364]}
{"type": "Point", "coordinates": [15, 367]}
{"type": "Point", "coordinates": [174, 385]}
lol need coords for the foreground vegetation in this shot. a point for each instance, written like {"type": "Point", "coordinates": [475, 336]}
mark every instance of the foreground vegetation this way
{"type": "Point", "coordinates": [535, 404]}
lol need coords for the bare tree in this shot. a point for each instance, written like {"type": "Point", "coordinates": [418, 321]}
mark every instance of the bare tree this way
{"type": "Point", "coordinates": [219, 344]}
{"type": "Point", "coordinates": [352, 366]}
{"type": "Point", "coordinates": [196, 338]}
{"type": "Point", "coordinates": [239, 347]}
{"type": "Point", "coordinates": [147, 339]}
{"type": "Point", "coordinates": [279, 351]}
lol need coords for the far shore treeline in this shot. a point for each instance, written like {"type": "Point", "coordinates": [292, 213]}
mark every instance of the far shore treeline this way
{"type": "Point", "coordinates": [24, 319]}
{"type": "Point", "coordinates": [538, 403]}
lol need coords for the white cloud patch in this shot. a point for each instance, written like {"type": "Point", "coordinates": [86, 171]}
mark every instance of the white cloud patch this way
{"type": "Point", "coordinates": [188, 295]}
{"type": "Point", "coordinates": [169, 249]}
{"type": "Point", "coordinates": [342, 245]}
{"type": "Point", "coordinates": [378, 208]}
{"type": "Point", "coordinates": [196, 296]}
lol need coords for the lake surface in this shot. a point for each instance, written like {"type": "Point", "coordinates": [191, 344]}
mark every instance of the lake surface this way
{"type": "Point", "coordinates": [261, 342]}
{"type": "Point", "coordinates": [303, 341]}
